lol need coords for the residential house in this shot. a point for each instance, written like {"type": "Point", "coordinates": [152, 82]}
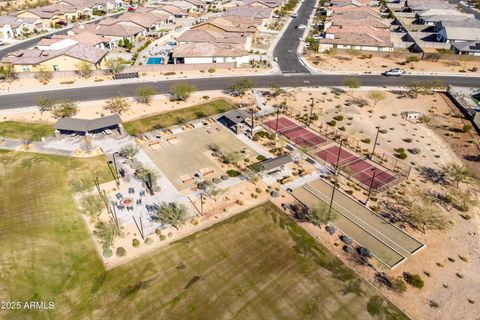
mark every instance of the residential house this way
{"type": "Point", "coordinates": [424, 5]}
{"type": "Point", "coordinates": [264, 14]}
{"type": "Point", "coordinates": [452, 31]}
{"type": "Point", "coordinates": [114, 33]}
{"type": "Point", "coordinates": [356, 37]}
{"type": "Point", "coordinates": [85, 37]}
{"type": "Point", "coordinates": [466, 48]}
{"type": "Point", "coordinates": [432, 16]}
{"type": "Point", "coordinates": [66, 57]}
{"type": "Point", "coordinates": [12, 27]}
{"type": "Point", "coordinates": [193, 53]}
{"type": "Point", "coordinates": [264, 3]}
{"type": "Point", "coordinates": [247, 27]}
{"type": "Point", "coordinates": [203, 36]}
{"type": "Point", "coordinates": [162, 15]}
{"type": "Point", "coordinates": [171, 9]}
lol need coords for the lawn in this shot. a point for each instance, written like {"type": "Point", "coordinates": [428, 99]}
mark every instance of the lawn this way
{"type": "Point", "coordinates": [257, 265]}
{"type": "Point", "coordinates": [25, 130]}
{"type": "Point", "coordinates": [168, 119]}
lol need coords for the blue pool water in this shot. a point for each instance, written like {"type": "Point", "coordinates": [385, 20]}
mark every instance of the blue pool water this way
{"type": "Point", "coordinates": [155, 60]}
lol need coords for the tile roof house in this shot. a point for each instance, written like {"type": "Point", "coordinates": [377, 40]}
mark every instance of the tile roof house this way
{"type": "Point", "coordinates": [453, 33]}
{"type": "Point", "coordinates": [88, 38]}
{"type": "Point", "coordinates": [65, 58]}
{"type": "Point", "coordinates": [231, 24]}
{"type": "Point", "coordinates": [114, 33]}
{"type": "Point", "coordinates": [357, 37]}
{"type": "Point", "coordinates": [12, 26]}
{"type": "Point", "coordinates": [194, 53]}
{"type": "Point", "coordinates": [264, 3]}
{"type": "Point", "coordinates": [264, 14]}
{"type": "Point", "coordinates": [202, 36]}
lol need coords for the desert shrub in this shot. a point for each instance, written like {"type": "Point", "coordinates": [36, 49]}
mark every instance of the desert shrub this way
{"type": "Point", "coordinates": [107, 253]}
{"type": "Point", "coordinates": [346, 239]}
{"type": "Point", "coordinates": [162, 237]}
{"type": "Point", "coordinates": [467, 127]}
{"type": "Point", "coordinates": [121, 252]}
{"type": "Point", "coordinates": [348, 249]}
{"type": "Point", "coordinates": [158, 231]}
{"type": "Point", "coordinates": [135, 243]}
{"type": "Point", "coordinates": [415, 280]}
{"type": "Point", "coordinates": [330, 229]}
{"type": "Point", "coordinates": [338, 118]}
{"type": "Point", "coordinates": [148, 241]}
{"type": "Point", "coordinates": [233, 173]}
{"type": "Point", "coordinates": [414, 150]}
{"type": "Point", "coordinates": [364, 252]}
{"type": "Point", "coordinates": [261, 157]}
{"type": "Point", "coordinates": [332, 123]}
{"type": "Point", "coordinates": [398, 285]}
{"type": "Point", "coordinates": [239, 202]}
{"type": "Point", "coordinates": [408, 140]}
{"type": "Point", "coordinates": [366, 140]}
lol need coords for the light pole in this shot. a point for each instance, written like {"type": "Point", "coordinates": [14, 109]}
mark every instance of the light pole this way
{"type": "Point", "coordinates": [331, 200]}
{"type": "Point", "coordinates": [311, 111]}
{"type": "Point", "coordinates": [338, 156]}
{"type": "Point", "coordinates": [371, 186]}
{"type": "Point", "coordinates": [375, 143]}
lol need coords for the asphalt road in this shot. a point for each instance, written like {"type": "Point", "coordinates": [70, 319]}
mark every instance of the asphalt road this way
{"type": "Point", "coordinates": [99, 92]}
{"type": "Point", "coordinates": [286, 48]}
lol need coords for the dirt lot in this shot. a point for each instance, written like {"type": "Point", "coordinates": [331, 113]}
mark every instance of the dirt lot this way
{"type": "Point", "coordinates": [380, 62]}
{"type": "Point", "coordinates": [361, 117]}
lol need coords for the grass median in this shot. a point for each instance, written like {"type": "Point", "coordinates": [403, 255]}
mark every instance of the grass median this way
{"type": "Point", "coordinates": [168, 119]}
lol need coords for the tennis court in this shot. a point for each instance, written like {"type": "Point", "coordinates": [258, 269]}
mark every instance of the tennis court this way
{"type": "Point", "coordinates": [356, 167]}
{"type": "Point", "coordinates": [294, 132]}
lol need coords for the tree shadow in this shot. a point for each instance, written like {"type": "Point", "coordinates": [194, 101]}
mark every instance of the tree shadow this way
{"type": "Point", "coordinates": [434, 175]}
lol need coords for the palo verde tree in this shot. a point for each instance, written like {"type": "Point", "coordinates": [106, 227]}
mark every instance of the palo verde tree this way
{"type": "Point", "coordinates": [182, 91]}
{"type": "Point", "coordinates": [65, 109]}
{"type": "Point", "coordinates": [376, 96]}
{"type": "Point", "coordinates": [117, 104]}
{"type": "Point", "coordinates": [129, 151]}
{"type": "Point", "coordinates": [144, 94]}
{"type": "Point", "coordinates": [172, 213]}
{"type": "Point", "coordinates": [45, 104]}
{"type": "Point", "coordinates": [460, 173]}
{"type": "Point", "coordinates": [240, 87]}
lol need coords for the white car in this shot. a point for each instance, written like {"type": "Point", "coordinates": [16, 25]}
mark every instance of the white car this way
{"type": "Point", "coordinates": [2, 43]}
{"type": "Point", "coordinates": [302, 26]}
{"type": "Point", "coordinates": [393, 72]}
{"type": "Point", "coordinates": [294, 15]}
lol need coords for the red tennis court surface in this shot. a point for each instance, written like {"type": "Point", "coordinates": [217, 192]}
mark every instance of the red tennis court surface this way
{"type": "Point", "coordinates": [359, 169]}
{"type": "Point", "coordinates": [294, 132]}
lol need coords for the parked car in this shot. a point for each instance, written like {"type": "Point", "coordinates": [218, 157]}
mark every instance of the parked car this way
{"type": "Point", "coordinates": [302, 26]}
{"type": "Point", "coordinates": [2, 43]}
{"type": "Point", "coordinates": [393, 72]}
{"type": "Point", "coordinates": [131, 9]}
{"type": "Point", "coordinates": [294, 15]}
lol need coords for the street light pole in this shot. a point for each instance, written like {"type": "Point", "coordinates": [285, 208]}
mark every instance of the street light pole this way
{"type": "Point", "coordinates": [375, 143]}
{"type": "Point", "coordinates": [338, 156]}
{"type": "Point", "coordinates": [371, 186]}
{"type": "Point", "coordinates": [276, 124]}
{"type": "Point", "coordinates": [311, 112]}
{"type": "Point", "coordinates": [331, 200]}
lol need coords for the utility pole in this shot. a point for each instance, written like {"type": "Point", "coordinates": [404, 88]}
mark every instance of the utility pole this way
{"type": "Point", "coordinates": [311, 111]}
{"type": "Point", "coordinates": [331, 200]}
{"type": "Point", "coordinates": [375, 143]}
{"type": "Point", "coordinates": [338, 156]}
{"type": "Point", "coordinates": [371, 186]}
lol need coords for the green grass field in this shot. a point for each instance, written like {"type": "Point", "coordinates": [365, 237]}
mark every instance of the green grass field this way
{"type": "Point", "coordinates": [168, 119]}
{"type": "Point", "coordinates": [25, 130]}
{"type": "Point", "coordinates": [257, 265]}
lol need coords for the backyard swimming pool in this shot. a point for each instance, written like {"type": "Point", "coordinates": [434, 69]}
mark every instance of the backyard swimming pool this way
{"type": "Point", "coordinates": [155, 60]}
